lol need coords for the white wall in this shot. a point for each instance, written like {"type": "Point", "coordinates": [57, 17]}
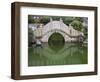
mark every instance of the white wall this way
{"type": "Point", "coordinates": [5, 40]}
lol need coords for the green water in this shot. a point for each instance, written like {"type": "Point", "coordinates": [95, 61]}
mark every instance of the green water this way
{"type": "Point", "coordinates": [57, 54]}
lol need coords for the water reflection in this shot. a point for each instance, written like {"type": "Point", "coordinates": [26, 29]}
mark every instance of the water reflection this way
{"type": "Point", "coordinates": [69, 53]}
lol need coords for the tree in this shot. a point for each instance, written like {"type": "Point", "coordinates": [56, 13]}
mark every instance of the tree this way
{"type": "Point", "coordinates": [85, 31]}
{"type": "Point", "coordinates": [77, 25]}
{"type": "Point", "coordinates": [57, 18]}
{"type": "Point", "coordinates": [30, 19]}
{"type": "Point", "coordinates": [67, 20]}
{"type": "Point", "coordinates": [45, 19]}
{"type": "Point", "coordinates": [30, 36]}
{"type": "Point", "coordinates": [79, 19]}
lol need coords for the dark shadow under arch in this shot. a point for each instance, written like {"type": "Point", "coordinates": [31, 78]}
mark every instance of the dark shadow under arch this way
{"type": "Point", "coordinates": [56, 41]}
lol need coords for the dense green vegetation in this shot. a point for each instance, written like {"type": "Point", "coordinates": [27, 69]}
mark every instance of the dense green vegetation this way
{"type": "Point", "coordinates": [46, 19]}
{"type": "Point", "coordinates": [77, 25]}
{"type": "Point", "coordinates": [76, 22]}
{"type": "Point", "coordinates": [30, 36]}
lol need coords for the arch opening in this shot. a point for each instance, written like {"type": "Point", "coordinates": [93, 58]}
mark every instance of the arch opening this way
{"type": "Point", "coordinates": [56, 41]}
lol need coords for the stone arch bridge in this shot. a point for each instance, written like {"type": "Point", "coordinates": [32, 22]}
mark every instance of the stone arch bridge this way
{"type": "Point", "coordinates": [43, 33]}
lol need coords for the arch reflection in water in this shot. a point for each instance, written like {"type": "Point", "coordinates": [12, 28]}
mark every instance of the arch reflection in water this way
{"type": "Point", "coordinates": [70, 53]}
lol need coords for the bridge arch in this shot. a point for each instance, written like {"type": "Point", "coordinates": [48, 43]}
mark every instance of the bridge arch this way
{"type": "Point", "coordinates": [46, 36]}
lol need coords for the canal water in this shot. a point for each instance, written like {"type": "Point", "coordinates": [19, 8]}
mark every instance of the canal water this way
{"type": "Point", "coordinates": [57, 54]}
